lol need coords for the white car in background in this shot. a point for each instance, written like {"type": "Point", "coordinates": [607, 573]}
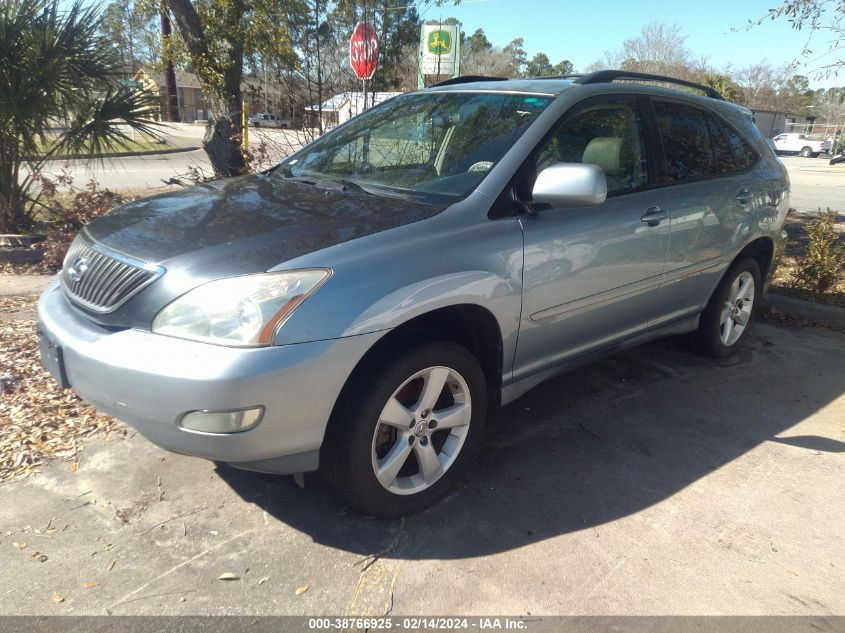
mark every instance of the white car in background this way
{"type": "Point", "coordinates": [262, 119]}
{"type": "Point", "coordinates": [801, 144]}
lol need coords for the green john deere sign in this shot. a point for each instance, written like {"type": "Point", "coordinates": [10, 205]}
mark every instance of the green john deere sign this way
{"type": "Point", "coordinates": [439, 42]}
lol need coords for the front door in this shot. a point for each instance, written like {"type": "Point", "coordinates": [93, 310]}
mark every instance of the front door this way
{"type": "Point", "coordinates": [592, 274]}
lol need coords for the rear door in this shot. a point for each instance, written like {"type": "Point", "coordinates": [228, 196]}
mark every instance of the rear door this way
{"type": "Point", "coordinates": [592, 274]}
{"type": "Point", "coordinates": [711, 191]}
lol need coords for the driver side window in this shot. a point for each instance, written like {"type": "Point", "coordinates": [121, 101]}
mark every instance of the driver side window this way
{"type": "Point", "coordinates": [609, 135]}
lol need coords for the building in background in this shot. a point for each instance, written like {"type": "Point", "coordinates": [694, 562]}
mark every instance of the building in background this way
{"type": "Point", "coordinates": [772, 123]}
{"type": "Point", "coordinates": [261, 96]}
{"type": "Point", "coordinates": [342, 107]}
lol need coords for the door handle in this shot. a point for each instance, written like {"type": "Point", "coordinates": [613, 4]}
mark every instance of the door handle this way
{"type": "Point", "coordinates": [654, 216]}
{"type": "Point", "coordinates": [744, 196]}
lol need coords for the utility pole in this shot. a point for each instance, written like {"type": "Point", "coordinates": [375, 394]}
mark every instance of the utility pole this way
{"type": "Point", "coordinates": [169, 74]}
{"type": "Point", "coordinates": [130, 20]}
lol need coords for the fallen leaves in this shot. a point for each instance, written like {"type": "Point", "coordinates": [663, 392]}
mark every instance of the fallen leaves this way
{"type": "Point", "coordinates": [111, 565]}
{"type": "Point", "coordinates": [301, 590]}
{"type": "Point", "coordinates": [228, 576]}
{"type": "Point", "coordinates": [57, 597]}
{"type": "Point", "coordinates": [38, 421]}
{"type": "Point", "coordinates": [91, 585]}
{"type": "Point", "coordinates": [788, 320]}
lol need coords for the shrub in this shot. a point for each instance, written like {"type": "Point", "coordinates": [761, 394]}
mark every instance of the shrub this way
{"type": "Point", "coordinates": [65, 209]}
{"type": "Point", "coordinates": [824, 264]}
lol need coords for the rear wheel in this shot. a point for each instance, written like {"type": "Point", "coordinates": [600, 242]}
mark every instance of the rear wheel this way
{"type": "Point", "coordinates": [806, 152]}
{"type": "Point", "coordinates": [402, 438]}
{"type": "Point", "coordinates": [729, 314]}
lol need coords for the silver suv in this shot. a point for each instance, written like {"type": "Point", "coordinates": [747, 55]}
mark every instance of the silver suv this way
{"type": "Point", "coordinates": [361, 307]}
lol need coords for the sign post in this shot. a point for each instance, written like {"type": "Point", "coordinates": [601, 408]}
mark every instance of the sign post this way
{"type": "Point", "coordinates": [363, 53]}
{"type": "Point", "coordinates": [440, 51]}
{"type": "Point", "coordinates": [244, 126]}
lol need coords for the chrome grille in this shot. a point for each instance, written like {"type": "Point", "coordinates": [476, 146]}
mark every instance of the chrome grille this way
{"type": "Point", "coordinates": [102, 280]}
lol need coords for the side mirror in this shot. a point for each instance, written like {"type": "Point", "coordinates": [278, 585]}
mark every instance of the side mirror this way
{"type": "Point", "coordinates": [570, 185]}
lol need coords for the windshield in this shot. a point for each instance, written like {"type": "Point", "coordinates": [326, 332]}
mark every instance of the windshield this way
{"type": "Point", "coordinates": [435, 146]}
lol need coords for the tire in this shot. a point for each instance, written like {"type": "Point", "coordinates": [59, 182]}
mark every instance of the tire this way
{"type": "Point", "coordinates": [256, 124]}
{"type": "Point", "coordinates": [359, 441]}
{"type": "Point", "coordinates": [724, 324]}
{"type": "Point", "coordinates": [805, 152]}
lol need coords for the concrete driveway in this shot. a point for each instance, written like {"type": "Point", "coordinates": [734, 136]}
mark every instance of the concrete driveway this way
{"type": "Point", "coordinates": [654, 482]}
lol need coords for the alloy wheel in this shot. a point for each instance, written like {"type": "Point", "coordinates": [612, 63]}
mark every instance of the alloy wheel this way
{"type": "Point", "coordinates": [421, 430]}
{"type": "Point", "coordinates": [737, 309]}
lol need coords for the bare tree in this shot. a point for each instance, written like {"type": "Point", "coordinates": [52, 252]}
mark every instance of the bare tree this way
{"type": "Point", "coordinates": [659, 49]}
{"type": "Point", "coordinates": [761, 85]}
{"type": "Point", "coordinates": [487, 61]}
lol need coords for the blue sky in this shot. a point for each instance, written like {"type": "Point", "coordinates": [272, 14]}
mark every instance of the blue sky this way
{"type": "Point", "coordinates": [581, 31]}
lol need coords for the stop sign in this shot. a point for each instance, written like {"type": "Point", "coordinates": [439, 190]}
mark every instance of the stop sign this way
{"type": "Point", "coordinates": [363, 50]}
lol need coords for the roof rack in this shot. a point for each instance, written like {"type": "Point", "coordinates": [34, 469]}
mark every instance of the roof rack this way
{"type": "Point", "coordinates": [466, 79]}
{"type": "Point", "coordinates": [599, 77]}
{"type": "Point", "coordinates": [606, 76]}
{"type": "Point", "coordinates": [571, 76]}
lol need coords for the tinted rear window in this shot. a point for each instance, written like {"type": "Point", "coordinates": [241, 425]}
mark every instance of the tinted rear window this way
{"type": "Point", "coordinates": [745, 155]}
{"type": "Point", "coordinates": [723, 158]}
{"type": "Point", "coordinates": [686, 141]}
{"type": "Point", "coordinates": [697, 144]}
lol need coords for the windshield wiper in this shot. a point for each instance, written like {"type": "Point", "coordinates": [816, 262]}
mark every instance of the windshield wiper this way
{"type": "Point", "coordinates": [346, 184]}
{"type": "Point", "coordinates": [368, 188]}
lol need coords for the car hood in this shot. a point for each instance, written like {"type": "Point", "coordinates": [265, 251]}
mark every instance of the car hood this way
{"type": "Point", "coordinates": [248, 224]}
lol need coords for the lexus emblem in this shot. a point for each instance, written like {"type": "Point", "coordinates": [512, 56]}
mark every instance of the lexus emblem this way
{"type": "Point", "coordinates": [78, 269]}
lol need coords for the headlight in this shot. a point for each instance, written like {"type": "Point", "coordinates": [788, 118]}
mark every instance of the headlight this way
{"type": "Point", "coordinates": [239, 311]}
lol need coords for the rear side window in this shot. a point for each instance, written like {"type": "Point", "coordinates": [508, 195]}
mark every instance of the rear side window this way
{"type": "Point", "coordinates": [745, 155]}
{"type": "Point", "coordinates": [723, 158]}
{"type": "Point", "coordinates": [696, 145]}
{"type": "Point", "coordinates": [686, 141]}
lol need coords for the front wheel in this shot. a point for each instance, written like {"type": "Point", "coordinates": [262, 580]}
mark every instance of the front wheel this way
{"type": "Point", "coordinates": [399, 442]}
{"type": "Point", "coordinates": [729, 314]}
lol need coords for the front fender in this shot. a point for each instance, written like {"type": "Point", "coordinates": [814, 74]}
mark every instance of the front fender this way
{"type": "Point", "coordinates": [498, 295]}
{"type": "Point", "coordinates": [483, 289]}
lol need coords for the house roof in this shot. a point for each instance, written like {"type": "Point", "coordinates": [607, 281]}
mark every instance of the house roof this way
{"type": "Point", "coordinates": [339, 100]}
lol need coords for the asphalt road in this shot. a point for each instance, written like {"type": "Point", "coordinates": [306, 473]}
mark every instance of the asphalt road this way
{"type": "Point", "coordinates": [816, 184]}
{"type": "Point", "coordinates": [139, 173]}
{"type": "Point", "coordinates": [653, 482]}
{"type": "Point", "coordinates": [136, 173]}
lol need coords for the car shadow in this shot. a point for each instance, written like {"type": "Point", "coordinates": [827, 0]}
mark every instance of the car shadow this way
{"type": "Point", "coordinates": [588, 447]}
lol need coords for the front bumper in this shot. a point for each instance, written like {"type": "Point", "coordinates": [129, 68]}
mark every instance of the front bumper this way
{"type": "Point", "coordinates": [150, 381]}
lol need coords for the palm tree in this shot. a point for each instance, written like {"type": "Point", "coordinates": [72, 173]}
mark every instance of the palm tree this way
{"type": "Point", "coordinates": [57, 73]}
